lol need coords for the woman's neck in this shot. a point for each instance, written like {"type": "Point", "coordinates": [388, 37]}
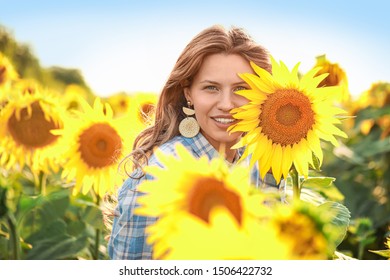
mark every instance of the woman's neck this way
{"type": "Point", "coordinates": [230, 155]}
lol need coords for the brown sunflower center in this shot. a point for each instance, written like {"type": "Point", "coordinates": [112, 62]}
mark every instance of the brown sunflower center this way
{"type": "Point", "coordinates": [207, 193]}
{"type": "Point", "coordinates": [123, 104]}
{"type": "Point", "coordinates": [32, 131]}
{"type": "Point", "coordinates": [287, 116]}
{"type": "Point", "coordinates": [100, 145]}
{"type": "Point", "coordinates": [307, 241]}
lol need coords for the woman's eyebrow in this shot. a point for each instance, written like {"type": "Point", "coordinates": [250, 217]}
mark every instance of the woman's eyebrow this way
{"type": "Point", "coordinates": [209, 82]}
{"type": "Point", "coordinates": [216, 83]}
{"type": "Point", "coordinates": [239, 83]}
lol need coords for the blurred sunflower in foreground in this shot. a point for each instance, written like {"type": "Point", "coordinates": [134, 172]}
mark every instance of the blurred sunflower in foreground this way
{"type": "Point", "coordinates": [26, 122]}
{"type": "Point", "coordinates": [208, 211]}
{"type": "Point", "coordinates": [222, 238]}
{"type": "Point", "coordinates": [289, 232]}
{"type": "Point", "coordinates": [286, 118]}
{"type": "Point", "coordinates": [202, 199]}
{"type": "Point", "coordinates": [93, 142]}
{"type": "Point", "coordinates": [307, 229]}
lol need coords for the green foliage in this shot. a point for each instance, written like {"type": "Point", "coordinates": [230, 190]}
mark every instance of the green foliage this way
{"type": "Point", "coordinates": [53, 242]}
{"type": "Point", "coordinates": [324, 186]}
{"type": "Point", "coordinates": [361, 165]}
{"type": "Point", "coordinates": [48, 226]}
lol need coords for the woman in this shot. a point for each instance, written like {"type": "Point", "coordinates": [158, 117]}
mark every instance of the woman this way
{"type": "Point", "coordinates": [204, 80]}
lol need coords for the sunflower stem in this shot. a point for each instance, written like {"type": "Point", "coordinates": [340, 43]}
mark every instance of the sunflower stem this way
{"type": "Point", "coordinates": [97, 235]}
{"type": "Point", "coordinates": [296, 184]}
{"type": "Point", "coordinates": [14, 236]}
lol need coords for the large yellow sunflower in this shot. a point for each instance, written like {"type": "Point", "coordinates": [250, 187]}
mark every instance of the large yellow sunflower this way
{"type": "Point", "coordinates": [285, 119]}
{"type": "Point", "coordinates": [26, 122]}
{"type": "Point", "coordinates": [193, 188]}
{"type": "Point", "coordinates": [93, 142]}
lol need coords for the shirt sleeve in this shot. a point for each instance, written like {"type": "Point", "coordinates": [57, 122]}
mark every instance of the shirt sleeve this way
{"type": "Point", "coordinates": [128, 237]}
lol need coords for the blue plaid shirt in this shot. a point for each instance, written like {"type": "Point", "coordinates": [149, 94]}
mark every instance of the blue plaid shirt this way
{"type": "Point", "coordinates": [128, 238]}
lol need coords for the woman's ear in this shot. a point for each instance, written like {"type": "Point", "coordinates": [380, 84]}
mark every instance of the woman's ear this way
{"type": "Point", "coordinates": [187, 94]}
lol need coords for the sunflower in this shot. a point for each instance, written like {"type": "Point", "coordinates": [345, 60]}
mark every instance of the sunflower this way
{"type": "Point", "coordinates": [26, 122]}
{"type": "Point", "coordinates": [306, 229]}
{"type": "Point", "coordinates": [143, 105]}
{"type": "Point", "coordinates": [197, 187]}
{"type": "Point", "coordinates": [72, 95]}
{"type": "Point", "coordinates": [120, 103]}
{"type": "Point", "coordinates": [224, 239]}
{"type": "Point", "coordinates": [285, 119]}
{"type": "Point", "coordinates": [92, 144]}
{"type": "Point", "coordinates": [336, 77]}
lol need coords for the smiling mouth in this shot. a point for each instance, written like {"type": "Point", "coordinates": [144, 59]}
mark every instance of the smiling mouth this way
{"type": "Point", "coordinates": [224, 120]}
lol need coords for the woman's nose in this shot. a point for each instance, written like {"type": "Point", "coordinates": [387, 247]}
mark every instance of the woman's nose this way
{"type": "Point", "coordinates": [226, 102]}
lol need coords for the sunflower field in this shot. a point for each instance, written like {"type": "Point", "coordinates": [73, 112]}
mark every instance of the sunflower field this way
{"type": "Point", "coordinates": [61, 164]}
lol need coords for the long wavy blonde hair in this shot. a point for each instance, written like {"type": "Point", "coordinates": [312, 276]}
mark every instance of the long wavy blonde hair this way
{"type": "Point", "coordinates": [168, 114]}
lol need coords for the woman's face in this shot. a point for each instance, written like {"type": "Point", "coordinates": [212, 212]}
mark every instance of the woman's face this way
{"type": "Point", "coordinates": [212, 95]}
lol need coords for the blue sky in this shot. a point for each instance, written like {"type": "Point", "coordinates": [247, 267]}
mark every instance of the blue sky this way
{"type": "Point", "coordinates": [132, 45]}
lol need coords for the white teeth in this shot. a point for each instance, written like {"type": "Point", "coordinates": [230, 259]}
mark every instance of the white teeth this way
{"type": "Point", "coordinates": [224, 121]}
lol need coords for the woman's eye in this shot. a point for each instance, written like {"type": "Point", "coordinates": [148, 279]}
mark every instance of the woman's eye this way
{"type": "Point", "coordinates": [240, 88]}
{"type": "Point", "coordinates": [211, 88]}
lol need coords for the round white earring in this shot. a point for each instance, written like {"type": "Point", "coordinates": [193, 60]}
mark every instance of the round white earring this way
{"type": "Point", "coordinates": [189, 127]}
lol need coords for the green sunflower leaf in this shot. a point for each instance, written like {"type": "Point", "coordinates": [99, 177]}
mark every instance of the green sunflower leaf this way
{"type": "Point", "coordinates": [339, 217]}
{"type": "Point", "coordinates": [54, 243]}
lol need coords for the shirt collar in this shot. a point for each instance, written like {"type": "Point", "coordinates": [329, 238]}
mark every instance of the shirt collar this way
{"type": "Point", "coordinates": [200, 146]}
